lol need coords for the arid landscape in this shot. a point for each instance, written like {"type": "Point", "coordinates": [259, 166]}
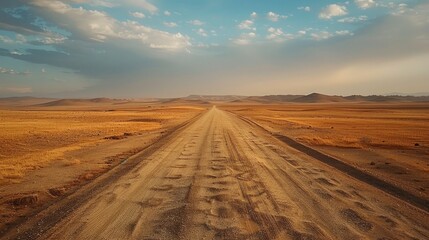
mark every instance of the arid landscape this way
{"type": "Point", "coordinates": [214, 167]}
{"type": "Point", "coordinates": [216, 119]}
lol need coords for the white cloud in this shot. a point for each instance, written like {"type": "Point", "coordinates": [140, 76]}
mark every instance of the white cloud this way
{"type": "Point", "coordinates": [399, 8]}
{"type": "Point", "coordinates": [202, 32]}
{"type": "Point", "coordinates": [53, 40]}
{"type": "Point", "coordinates": [196, 22]}
{"type": "Point", "coordinates": [6, 39]}
{"type": "Point", "coordinates": [343, 33]}
{"type": "Point", "coordinates": [274, 16]}
{"type": "Point", "coordinates": [100, 3]}
{"type": "Point", "coordinates": [353, 19]}
{"type": "Point", "coordinates": [274, 33]}
{"type": "Point", "coordinates": [170, 24]}
{"type": "Point", "coordinates": [11, 71]}
{"type": "Point", "coordinates": [246, 24]}
{"type": "Point", "coordinates": [144, 4]}
{"type": "Point", "coordinates": [43, 70]}
{"type": "Point", "coordinates": [277, 35]}
{"type": "Point", "coordinates": [321, 35]}
{"type": "Point", "coordinates": [253, 15]}
{"type": "Point", "coordinates": [245, 38]}
{"type": "Point", "coordinates": [364, 4]}
{"type": "Point", "coordinates": [154, 38]}
{"type": "Point", "coordinates": [20, 38]}
{"type": "Point", "coordinates": [95, 25]}
{"type": "Point", "coordinates": [167, 13]}
{"type": "Point", "coordinates": [16, 53]}
{"type": "Point", "coordinates": [332, 10]}
{"type": "Point", "coordinates": [305, 8]}
{"type": "Point", "coordinates": [138, 14]}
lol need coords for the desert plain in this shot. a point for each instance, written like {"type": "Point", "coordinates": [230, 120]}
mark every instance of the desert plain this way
{"type": "Point", "coordinates": [213, 168]}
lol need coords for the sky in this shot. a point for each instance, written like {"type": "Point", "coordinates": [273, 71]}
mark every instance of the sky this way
{"type": "Point", "coordinates": [165, 48]}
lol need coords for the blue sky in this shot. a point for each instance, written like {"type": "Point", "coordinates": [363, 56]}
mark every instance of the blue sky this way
{"type": "Point", "coordinates": [148, 48]}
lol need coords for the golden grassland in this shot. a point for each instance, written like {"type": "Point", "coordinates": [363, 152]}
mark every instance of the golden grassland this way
{"type": "Point", "coordinates": [31, 139]}
{"type": "Point", "coordinates": [347, 125]}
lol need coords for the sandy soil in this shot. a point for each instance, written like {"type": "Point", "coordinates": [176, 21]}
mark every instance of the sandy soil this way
{"type": "Point", "coordinates": [377, 138]}
{"type": "Point", "coordinates": [49, 153]}
{"type": "Point", "coordinates": [221, 177]}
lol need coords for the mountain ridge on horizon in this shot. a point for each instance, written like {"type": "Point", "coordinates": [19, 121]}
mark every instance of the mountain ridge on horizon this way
{"type": "Point", "coordinates": [207, 99]}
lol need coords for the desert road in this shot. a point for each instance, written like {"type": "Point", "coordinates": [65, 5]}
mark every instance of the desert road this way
{"type": "Point", "coordinates": [220, 177]}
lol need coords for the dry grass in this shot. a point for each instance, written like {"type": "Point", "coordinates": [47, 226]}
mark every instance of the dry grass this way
{"type": "Point", "coordinates": [33, 139]}
{"type": "Point", "coordinates": [347, 125]}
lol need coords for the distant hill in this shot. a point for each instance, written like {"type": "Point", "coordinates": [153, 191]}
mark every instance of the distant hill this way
{"type": "Point", "coordinates": [280, 98]}
{"type": "Point", "coordinates": [207, 99]}
{"type": "Point", "coordinates": [322, 98]}
{"type": "Point", "coordinates": [392, 98]}
{"type": "Point", "coordinates": [23, 101]}
{"type": "Point", "coordinates": [319, 98]}
{"type": "Point", "coordinates": [184, 101]}
{"type": "Point", "coordinates": [78, 102]}
{"type": "Point", "coordinates": [215, 98]}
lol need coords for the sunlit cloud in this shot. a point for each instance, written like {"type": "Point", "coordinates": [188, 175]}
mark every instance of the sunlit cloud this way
{"type": "Point", "coordinates": [364, 4]}
{"type": "Point", "coordinates": [333, 10]}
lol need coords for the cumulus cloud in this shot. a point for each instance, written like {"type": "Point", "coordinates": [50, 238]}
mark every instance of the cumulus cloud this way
{"type": "Point", "coordinates": [170, 24]}
{"type": "Point", "coordinates": [246, 24]}
{"type": "Point", "coordinates": [274, 17]}
{"type": "Point", "coordinates": [343, 33]}
{"type": "Point", "coordinates": [353, 19]}
{"type": "Point", "coordinates": [305, 8]}
{"type": "Point", "coordinates": [138, 14]}
{"type": "Point", "coordinates": [244, 39]}
{"type": "Point", "coordinates": [333, 10]}
{"type": "Point", "coordinates": [98, 26]}
{"type": "Point", "coordinates": [167, 13]}
{"type": "Point", "coordinates": [11, 71]}
{"type": "Point", "coordinates": [253, 15]}
{"type": "Point", "coordinates": [57, 39]}
{"type": "Point", "coordinates": [196, 22]}
{"type": "Point", "coordinates": [364, 4]}
{"type": "Point", "coordinates": [323, 35]}
{"type": "Point", "coordinates": [202, 32]}
{"type": "Point", "coordinates": [6, 39]}
{"type": "Point", "coordinates": [144, 4]}
{"type": "Point", "coordinates": [277, 35]}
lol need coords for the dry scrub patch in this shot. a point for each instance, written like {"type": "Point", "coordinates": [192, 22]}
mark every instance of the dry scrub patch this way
{"type": "Point", "coordinates": [390, 140]}
{"type": "Point", "coordinates": [32, 139]}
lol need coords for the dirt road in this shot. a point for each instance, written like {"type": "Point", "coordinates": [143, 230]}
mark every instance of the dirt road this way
{"type": "Point", "coordinates": [221, 177]}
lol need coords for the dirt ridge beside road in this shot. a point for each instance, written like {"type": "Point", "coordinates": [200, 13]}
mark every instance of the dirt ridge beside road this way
{"type": "Point", "coordinates": [378, 183]}
{"type": "Point", "coordinates": [369, 179]}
